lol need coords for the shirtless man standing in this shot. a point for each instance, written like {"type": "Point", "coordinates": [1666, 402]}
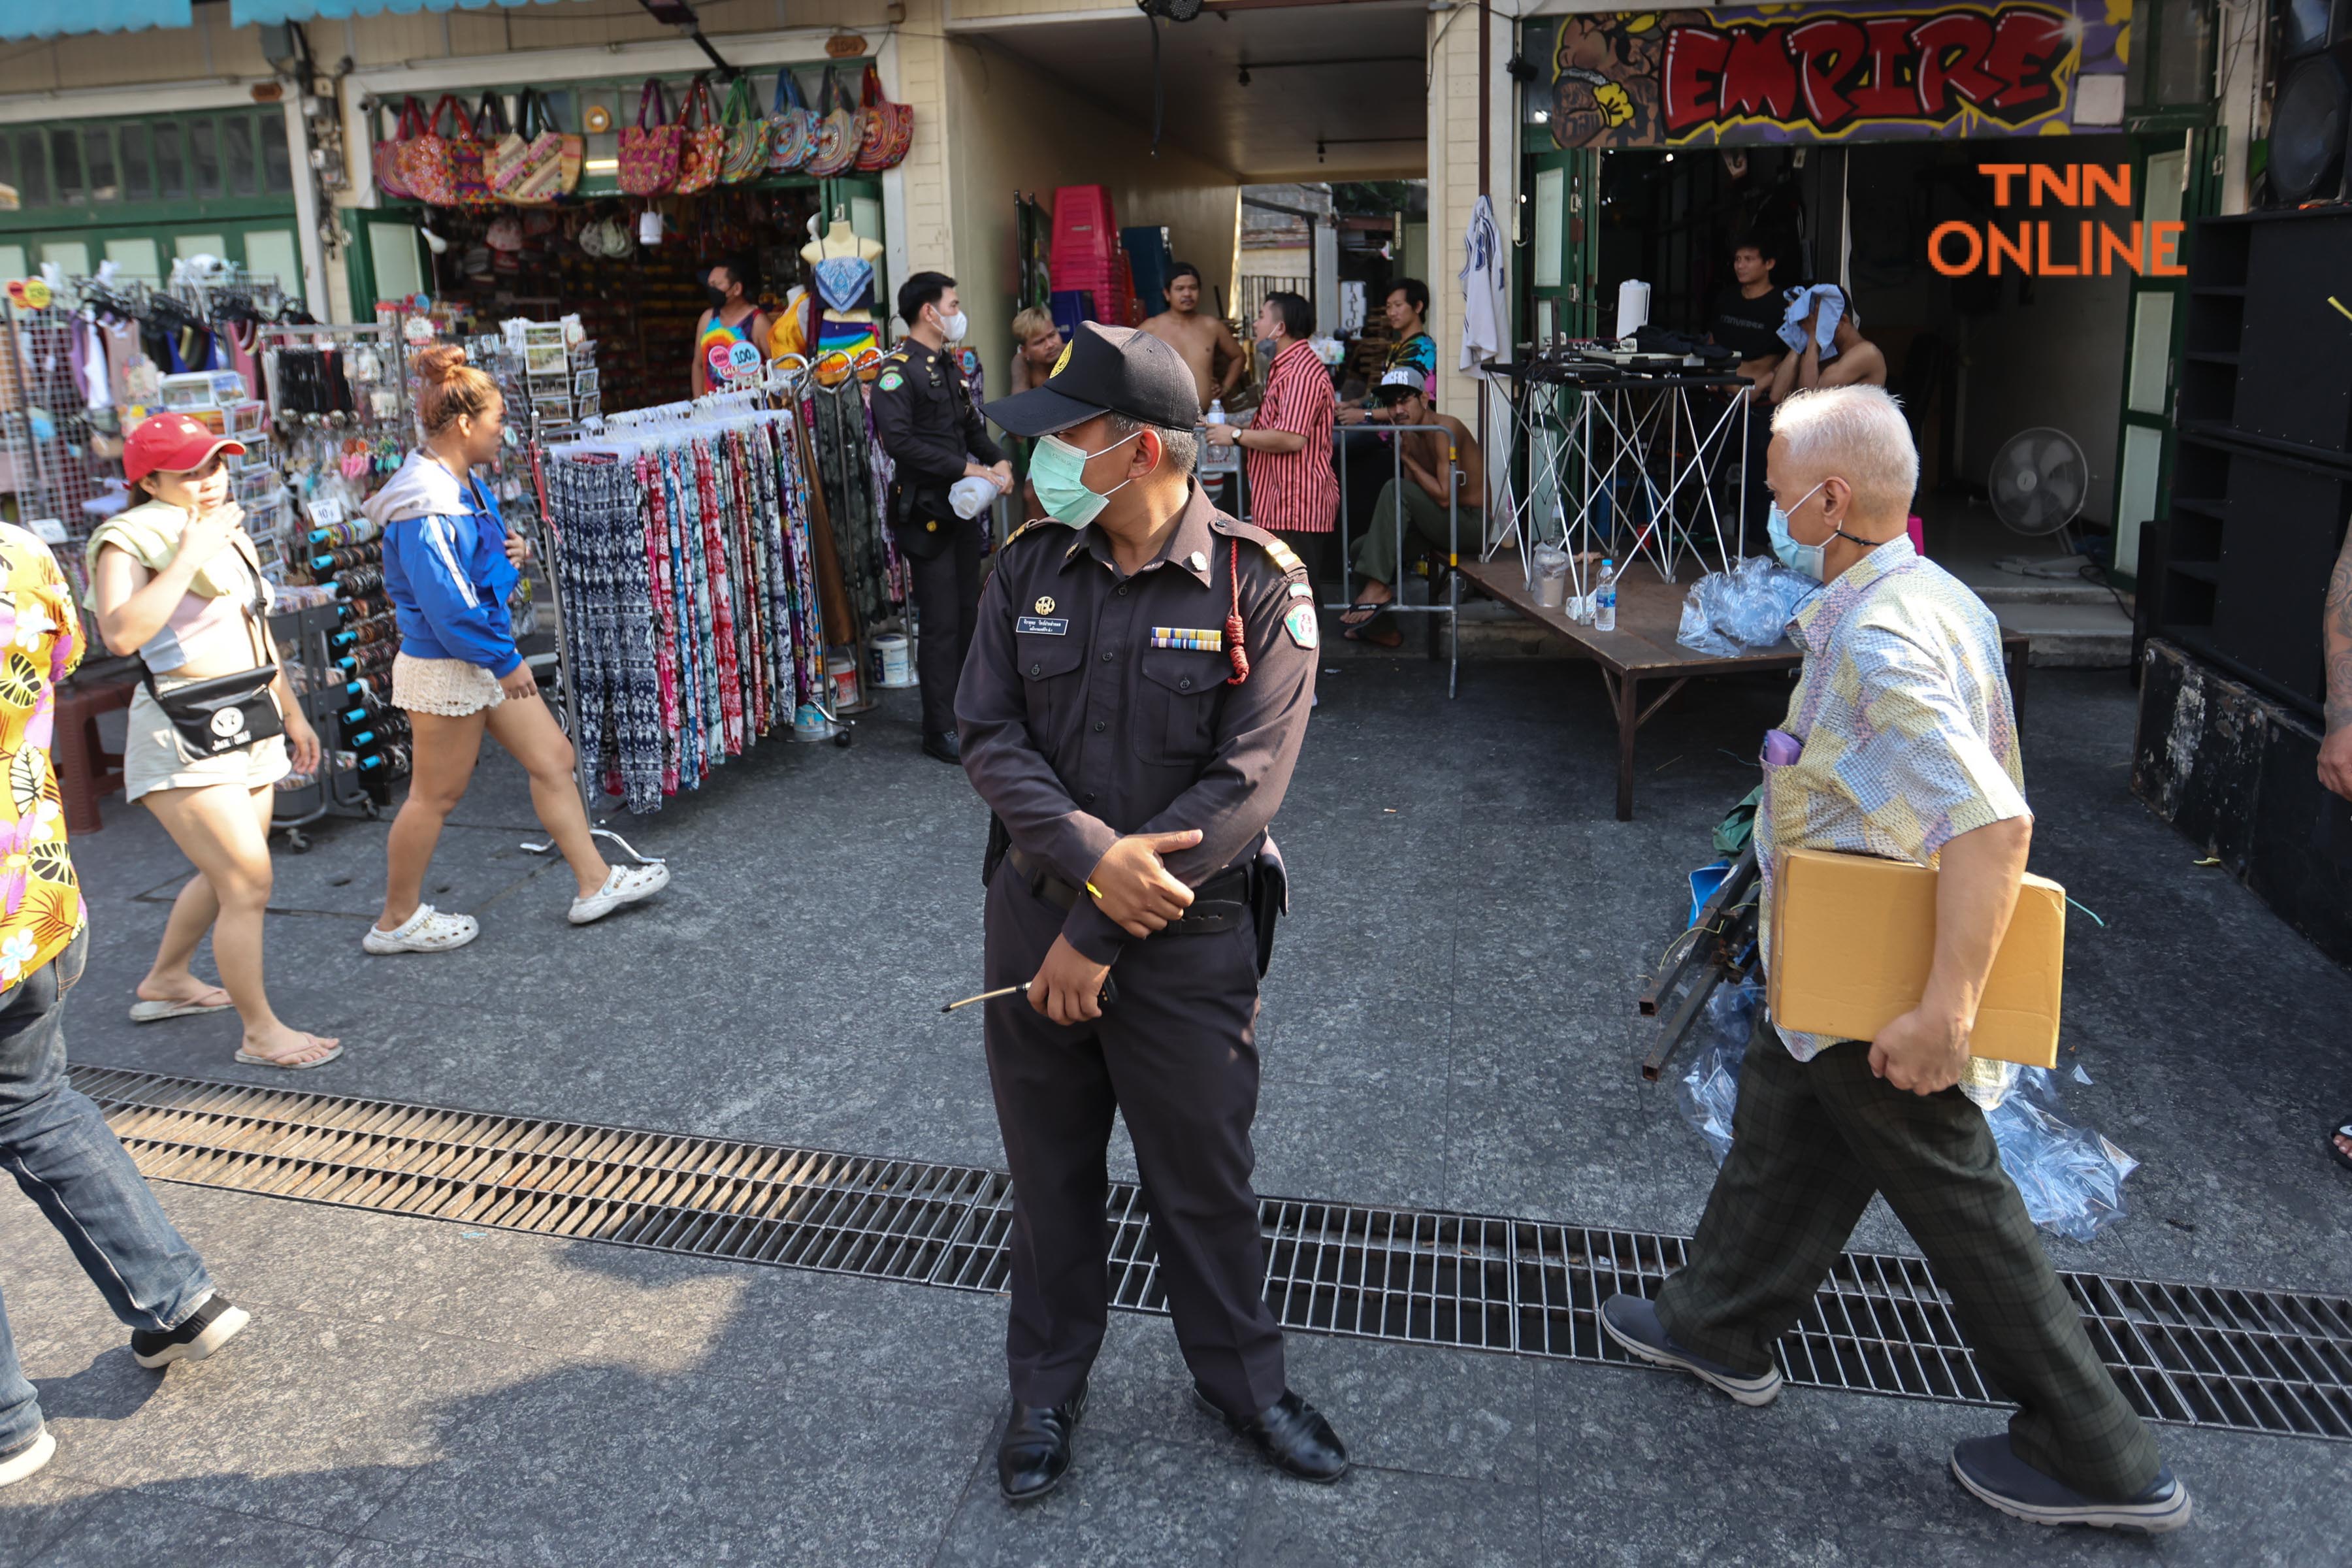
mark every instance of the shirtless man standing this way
{"type": "Point", "coordinates": [1203, 341]}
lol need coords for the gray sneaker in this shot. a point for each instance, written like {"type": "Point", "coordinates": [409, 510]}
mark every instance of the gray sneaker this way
{"type": "Point", "coordinates": [1996, 1477]}
{"type": "Point", "coordinates": [1633, 1322]}
{"type": "Point", "coordinates": [21, 1460]}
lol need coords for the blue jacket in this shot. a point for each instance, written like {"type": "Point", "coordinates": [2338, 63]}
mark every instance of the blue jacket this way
{"type": "Point", "coordinates": [444, 567]}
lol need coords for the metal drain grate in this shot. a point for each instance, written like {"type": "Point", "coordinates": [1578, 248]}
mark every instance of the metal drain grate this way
{"type": "Point", "coordinates": [2252, 1361]}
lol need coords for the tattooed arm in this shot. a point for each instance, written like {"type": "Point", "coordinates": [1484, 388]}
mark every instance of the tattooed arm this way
{"type": "Point", "coordinates": [2336, 633]}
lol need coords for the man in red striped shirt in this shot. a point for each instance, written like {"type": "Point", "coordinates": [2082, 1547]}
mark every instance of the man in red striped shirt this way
{"type": "Point", "coordinates": [1293, 489]}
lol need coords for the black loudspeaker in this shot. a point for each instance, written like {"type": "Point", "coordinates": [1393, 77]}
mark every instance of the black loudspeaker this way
{"type": "Point", "coordinates": [2311, 116]}
{"type": "Point", "coordinates": [2293, 371]}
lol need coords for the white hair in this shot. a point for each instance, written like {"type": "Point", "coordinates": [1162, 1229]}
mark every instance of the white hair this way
{"type": "Point", "coordinates": [1859, 434]}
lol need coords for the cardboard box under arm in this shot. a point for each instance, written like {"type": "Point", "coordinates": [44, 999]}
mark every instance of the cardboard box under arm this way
{"type": "Point", "coordinates": [1853, 938]}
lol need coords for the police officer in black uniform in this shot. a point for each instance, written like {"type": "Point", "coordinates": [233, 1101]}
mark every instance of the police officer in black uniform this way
{"type": "Point", "coordinates": [1134, 702]}
{"type": "Point", "coordinates": [925, 415]}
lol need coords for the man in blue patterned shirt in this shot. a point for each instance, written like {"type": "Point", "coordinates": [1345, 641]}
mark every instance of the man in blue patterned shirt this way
{"type": "Point", "coordinates": [1909, 753]}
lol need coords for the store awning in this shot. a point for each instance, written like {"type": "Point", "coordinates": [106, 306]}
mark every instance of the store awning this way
{"type": "Point", "coordinates": [241, 11]}
{"type": "Point", "coordinates": [33, 20]}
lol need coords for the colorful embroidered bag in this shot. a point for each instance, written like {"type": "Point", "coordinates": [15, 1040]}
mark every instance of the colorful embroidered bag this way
{"type": "Point", "coordinates": [702, 151]}
{"type": "Point", "coordinates": [527, 164]}
{"type": "Point", "coordinates": [425, 160]}
{"type": "Point", "coordinates": [887, 129]}
{"type": "Point", "coordinates": [386, 154]}
{"type": "Point", "coordinates": [649, 154]}
{"type": "Point", "coordinates": [788, 124]}
{"type": "Point", "coordinates": [748, 135]}
{"type": "Point", "coordinates": [833, 141]}
{"type": "Point", "coordinates": [471, 156]}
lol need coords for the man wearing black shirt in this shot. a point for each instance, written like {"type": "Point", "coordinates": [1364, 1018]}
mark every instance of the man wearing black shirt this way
{"type": "Point", "coordinates": [1746, 318]}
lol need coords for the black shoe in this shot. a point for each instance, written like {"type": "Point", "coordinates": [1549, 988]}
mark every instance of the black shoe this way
{"type": "Point", "coordinates": [207, 1329]}
{"type": "Point", "coordinates": [1291, 1434]}
{"type": "Point", "coordinates": [1034, 1455]}
{"type": "Point", "coordinates": [947, 747]}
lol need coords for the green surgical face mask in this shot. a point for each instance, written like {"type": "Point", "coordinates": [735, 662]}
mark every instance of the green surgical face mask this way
{"type": "Point", "coordinates": [1057, 470]}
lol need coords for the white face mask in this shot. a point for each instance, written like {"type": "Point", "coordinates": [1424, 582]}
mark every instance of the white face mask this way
{"type": "Point", "coordinates": [953, 327]}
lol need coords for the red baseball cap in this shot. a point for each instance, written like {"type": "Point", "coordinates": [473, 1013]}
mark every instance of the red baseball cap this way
{"type": "Point", "coordinates": [173, 444]}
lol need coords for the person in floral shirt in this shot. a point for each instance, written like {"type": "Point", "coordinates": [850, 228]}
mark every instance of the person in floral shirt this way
{"type": "Point", "coordinates": [52, 1139]}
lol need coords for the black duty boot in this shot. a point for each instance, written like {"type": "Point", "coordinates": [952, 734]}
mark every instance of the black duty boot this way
{"type": "Point", "coordinates": [1291, 1434]}
{"type": "Point", "coordinates": [1034, 1455]}
{"type": "Point", "coordinates": [946, 746]}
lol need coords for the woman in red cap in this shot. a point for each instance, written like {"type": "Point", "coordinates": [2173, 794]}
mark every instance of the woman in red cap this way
{"type": "Point", "coordinates": [177, 579]}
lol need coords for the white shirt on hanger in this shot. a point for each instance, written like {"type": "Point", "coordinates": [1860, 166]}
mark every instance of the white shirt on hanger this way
{"type": "Point", "coordinates": [1485, 315]}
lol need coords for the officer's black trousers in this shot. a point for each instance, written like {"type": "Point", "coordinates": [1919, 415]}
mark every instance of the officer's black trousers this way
{"type": "Point", "coordinates": [947, 598]}
{"type": "Point", "coordinates": [1176, 1054]}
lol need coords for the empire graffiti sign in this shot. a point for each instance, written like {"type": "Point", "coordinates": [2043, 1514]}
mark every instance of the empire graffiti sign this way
{"type": "Point", "coordinates": [1789, 73]}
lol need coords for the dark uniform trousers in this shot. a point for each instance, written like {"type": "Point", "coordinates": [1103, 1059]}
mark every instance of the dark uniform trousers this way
{"type": "Point", "coordinates": [1100, 701]}
{"type": "Point", "coordinates": [1810, 1143]}
{"type": "Point", "coordinates": [946, 607]}
{"type": "Point", "coordinates": [1176, 1051]}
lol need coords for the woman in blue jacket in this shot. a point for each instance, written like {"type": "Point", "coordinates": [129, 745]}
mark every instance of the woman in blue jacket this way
{"type": "Point", "coordinates": [449, 565]}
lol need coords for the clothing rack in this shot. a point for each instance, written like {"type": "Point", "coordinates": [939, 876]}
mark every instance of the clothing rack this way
{"type": "Point", "coordinates": [682, 567]}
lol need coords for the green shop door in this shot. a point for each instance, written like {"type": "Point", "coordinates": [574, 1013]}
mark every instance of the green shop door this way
{"type": "Point", "coordinates": [1559, 244]}
{"type": "Point", "coordinates": [386, 259]}
{"type": "Point", "coordinates": [2174, 180]}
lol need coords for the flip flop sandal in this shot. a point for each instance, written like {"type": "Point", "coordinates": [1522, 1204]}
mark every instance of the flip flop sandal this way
{"type": "Point", "coordinates": [156, 1012]}
{"type": "Point", "coordinates": [1355, 616]}
{"type": "Point", "coordinates": [2336, 1149]}
{"type": "Point", "coordinates": [1363, 630]}
{"type": "Point", "coordinates": [251, 1060]}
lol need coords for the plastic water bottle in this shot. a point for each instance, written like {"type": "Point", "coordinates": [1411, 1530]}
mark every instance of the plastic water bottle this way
{"type": "Point", "coordinates": [1604, 599]}
{"type": "Point", "coordinates": [1217, 410]}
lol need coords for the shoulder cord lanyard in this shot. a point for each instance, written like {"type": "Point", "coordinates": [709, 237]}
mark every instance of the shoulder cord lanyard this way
{"type": "Point", "coordinates": [1233, 648]}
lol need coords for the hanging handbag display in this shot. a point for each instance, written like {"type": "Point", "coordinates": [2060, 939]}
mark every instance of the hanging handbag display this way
{"type": "Point", "coordinates": [426, 159]}
{"type": "Point", "coordinates": [703, 149]}
{"type": "Point", "coordinates": [649, 154]}
{"type": "Point", "coordinates": [527, 165]}
{"type": "Point", "coordinates": [385, 156]}
{"type": "Point", "coordinates": [887, 129]}
{"type": "Point", "coordinates": [470, 155]}
{"type": "Point", "coordinates": [748, 135]}
{"type": "Point", "coordinates": [226, 713]}
{"type": "Point", "coordinates": [574, 149]}
{"type": "Point", "coordinates": [833, 136]}
{"type": "Point", "coordinates": [788, 126]}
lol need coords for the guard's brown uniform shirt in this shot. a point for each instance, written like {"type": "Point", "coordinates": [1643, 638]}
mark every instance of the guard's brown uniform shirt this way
{"type": "Point", "coordinates": [1078, 730]}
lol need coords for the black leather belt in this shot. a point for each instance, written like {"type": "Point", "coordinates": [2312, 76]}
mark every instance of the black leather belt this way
{"type": "Point", "coordinates": [1218, 904]}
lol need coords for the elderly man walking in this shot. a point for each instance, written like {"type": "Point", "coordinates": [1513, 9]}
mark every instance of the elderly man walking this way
{"type": "Point", "coordinates": [1909, 752]}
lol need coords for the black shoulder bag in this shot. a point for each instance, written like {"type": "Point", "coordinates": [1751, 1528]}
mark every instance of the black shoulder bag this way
{"type": "Point", "coordinates": [226, 712]}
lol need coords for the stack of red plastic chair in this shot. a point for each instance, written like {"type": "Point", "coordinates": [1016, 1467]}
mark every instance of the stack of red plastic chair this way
{"type": "Point", "coordinates": [1088, 255]}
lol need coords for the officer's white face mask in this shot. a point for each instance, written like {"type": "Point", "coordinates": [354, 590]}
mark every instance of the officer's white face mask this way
{"type": "Point", "coordinates": [1058, 472]}
{"type": "Point", "coordinates": [952, 327]}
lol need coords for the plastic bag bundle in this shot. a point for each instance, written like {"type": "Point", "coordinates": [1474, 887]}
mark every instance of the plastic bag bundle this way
{"type": "Point", "coordinates": [2071, 1177]}
{"type": "Point", "coordinates": [1711, 1089]}
{"type": "Point", "coordinates": [1729, 613]}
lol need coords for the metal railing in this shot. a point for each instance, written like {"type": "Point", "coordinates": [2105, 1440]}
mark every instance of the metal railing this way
{"type": "Point", "coordinates": [1451, 608]}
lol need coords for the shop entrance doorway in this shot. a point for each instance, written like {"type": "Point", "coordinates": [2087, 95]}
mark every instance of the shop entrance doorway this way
{"type": "Point", "coordinates": [1976, 354]}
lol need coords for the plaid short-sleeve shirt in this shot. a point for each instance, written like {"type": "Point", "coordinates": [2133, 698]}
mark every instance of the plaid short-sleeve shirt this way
{"type": "Point", "coordinates": [1904, 709]}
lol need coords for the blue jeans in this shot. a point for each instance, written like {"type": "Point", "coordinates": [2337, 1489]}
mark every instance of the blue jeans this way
{"type": "Point", "coordinates": [58, 1146]}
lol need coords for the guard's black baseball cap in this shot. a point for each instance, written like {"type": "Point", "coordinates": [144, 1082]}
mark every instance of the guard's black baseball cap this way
{"type": "Point", "coordinates": [1106, 370]}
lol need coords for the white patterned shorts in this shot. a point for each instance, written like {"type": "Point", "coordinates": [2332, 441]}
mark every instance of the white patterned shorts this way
{"type": "Point", "coordinates": [449, 687]}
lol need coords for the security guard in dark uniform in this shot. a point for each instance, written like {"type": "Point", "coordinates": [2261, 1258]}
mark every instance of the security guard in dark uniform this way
{"type": "Point", "coordinates": [1137, 693]}
{"type": "Point", "coordinates": [927, 420]}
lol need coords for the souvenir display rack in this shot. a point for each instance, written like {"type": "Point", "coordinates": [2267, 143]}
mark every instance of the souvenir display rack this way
{"type": "Point", "coordinates": [339, 408]}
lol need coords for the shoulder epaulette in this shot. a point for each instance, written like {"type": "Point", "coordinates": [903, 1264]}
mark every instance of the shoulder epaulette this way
{"type": "Point", "coordinates": [1030, 527]}
{"type": "Point", "coordinates": [1285, 560]}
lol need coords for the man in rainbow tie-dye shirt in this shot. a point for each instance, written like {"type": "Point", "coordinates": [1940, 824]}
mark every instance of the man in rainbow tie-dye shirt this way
{"type": "Point", "coordinates": [52, 1139]}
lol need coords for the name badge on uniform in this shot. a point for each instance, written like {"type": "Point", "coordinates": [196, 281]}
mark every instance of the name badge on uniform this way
{"type": "Point", "coordinates": [1043, 625]}
{"type": "Point", "coordinates": [1187, 637]}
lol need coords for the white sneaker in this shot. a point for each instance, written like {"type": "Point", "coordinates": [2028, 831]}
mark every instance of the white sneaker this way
{"type": "Point", "coordinates": [426, 931]}
{"type": "Point", "coordinates": [27, 1457]}
{"type": "Point", "coordinates": [622, 885]}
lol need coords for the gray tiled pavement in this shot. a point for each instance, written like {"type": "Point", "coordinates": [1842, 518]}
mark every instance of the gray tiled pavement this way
{"type": "Point", "coordinates": [1448, 1024]}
